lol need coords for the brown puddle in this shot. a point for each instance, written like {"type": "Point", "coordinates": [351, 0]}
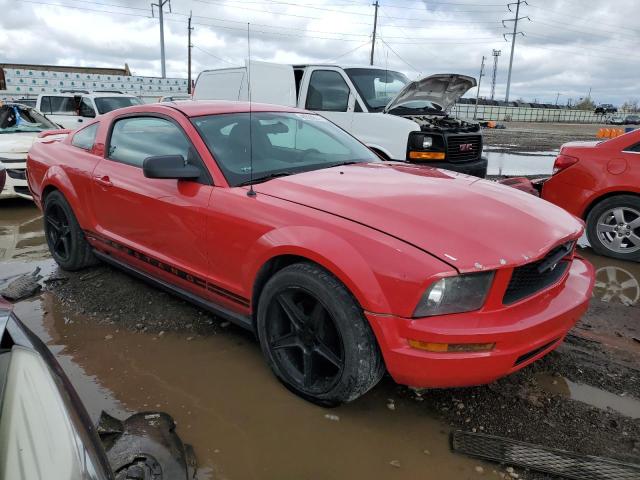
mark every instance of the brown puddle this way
{"type": "Point", "coordinates": [625, 405]}
{"type": "Point", "coordinates": [617, 281]}
{"type": "Point", "coordinates": [242, 423]}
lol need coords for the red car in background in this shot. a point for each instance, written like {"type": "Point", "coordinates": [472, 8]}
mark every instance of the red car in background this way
{"type": "Point", "coordinates": [600, 183]}
{"type": "Point", "coordinates": [343, 265]}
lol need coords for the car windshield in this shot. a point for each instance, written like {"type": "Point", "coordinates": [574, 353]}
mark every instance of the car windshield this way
{"type": "Point", "coordinates": [107, 104]}
{"type": "Point", "coordinates": [377, 87]}
{"type": "Point", "coordinates": [16, 118]}
{"type": "Point", "coordinates": [283, 144]}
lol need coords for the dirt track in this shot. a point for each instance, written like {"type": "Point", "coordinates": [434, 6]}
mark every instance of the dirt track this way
{"type": "Point", "coordinates": [538, 137]}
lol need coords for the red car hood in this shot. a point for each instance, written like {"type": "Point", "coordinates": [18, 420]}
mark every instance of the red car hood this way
{"type": "Point", "coordinates": [468, 223]}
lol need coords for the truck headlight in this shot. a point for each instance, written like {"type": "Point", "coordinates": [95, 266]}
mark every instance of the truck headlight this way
{"type": "Point", "coordinates": [427, 142]}
{"type": "Point", "coordinates": [461, 293]}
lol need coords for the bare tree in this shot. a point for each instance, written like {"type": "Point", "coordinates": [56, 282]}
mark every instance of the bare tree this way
{"type": "Point", "coordinates": [630, 105]}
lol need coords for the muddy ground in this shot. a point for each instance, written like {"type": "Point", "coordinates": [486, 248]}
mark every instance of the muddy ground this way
{"type": "Point", "coordinates": [130, 347]}
{"type": "Point", "coordinates": [523, 137]}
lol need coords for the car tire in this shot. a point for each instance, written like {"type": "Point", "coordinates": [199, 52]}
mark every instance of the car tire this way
{"type": "Point", "coordinates": [67, 243]}
{"type": "Point", "coordinates": [315, 337]}
{"type": "Point", "coordinates": [613, 227]}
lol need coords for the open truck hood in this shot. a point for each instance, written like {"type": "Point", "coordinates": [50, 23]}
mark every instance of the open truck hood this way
{"type": "Point", "coordinates": [443, 89]}
{"type": "Point", "coordinates": [469, 223]}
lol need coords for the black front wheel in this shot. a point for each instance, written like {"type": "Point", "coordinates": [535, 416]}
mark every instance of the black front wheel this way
{"type": "Point", "coordinates": [65, 238]}
{"type": "Point", "coordinates": [315, 337]}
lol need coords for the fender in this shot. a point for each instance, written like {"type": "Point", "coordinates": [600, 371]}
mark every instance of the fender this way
{"type": "Point", "coordinates": [319, 246]}
{"type": "Point", "coordinates": [607, 192]}
{"type": "Point", "coordinates": [55, 176]}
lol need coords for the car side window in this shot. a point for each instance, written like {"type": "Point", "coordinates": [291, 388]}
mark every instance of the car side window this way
{"type": "Point", "coordinates": [134, 139]}
{"type": "Point", "coordinates": [86, 137]}
{"type": "Point", "coordinates": [86, 109]}
{"type": "Point", "coordinates": [58, 105]}
{"type": "Point", "coordinates": [327, 92]}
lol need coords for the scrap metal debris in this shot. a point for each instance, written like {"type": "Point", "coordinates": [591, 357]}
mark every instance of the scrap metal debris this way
{"type": "Point", "coordinates": [145, 446]}
{"type": "Point", "coordinates": [542, 459]}
{"type": "Point", "coordinates": [22, 287]}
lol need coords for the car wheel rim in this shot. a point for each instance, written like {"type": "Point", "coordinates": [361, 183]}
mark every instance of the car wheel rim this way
{"type": "Point", "coordinates": [616, 284]}
{"type": "Point", "coordinates": [58, 232]}
{"type": "Point", "coordinates": [304, 341]}
{"type": "Point", "coordinates": [619, 230]}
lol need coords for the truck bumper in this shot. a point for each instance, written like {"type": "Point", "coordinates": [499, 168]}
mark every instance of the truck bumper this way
{"type": "Point", "coordinates": [476, 168]}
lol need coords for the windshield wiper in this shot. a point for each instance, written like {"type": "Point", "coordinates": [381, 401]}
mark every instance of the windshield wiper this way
{"type": "Point", "coordinates": [264, 178]}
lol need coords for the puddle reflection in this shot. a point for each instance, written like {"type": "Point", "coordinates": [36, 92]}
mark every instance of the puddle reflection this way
{"type": "Point", "coordinates": [593, 396]}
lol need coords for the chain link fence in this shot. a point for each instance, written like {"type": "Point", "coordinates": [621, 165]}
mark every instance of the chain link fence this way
{"type": "Point", "coordinates": [526, 114]}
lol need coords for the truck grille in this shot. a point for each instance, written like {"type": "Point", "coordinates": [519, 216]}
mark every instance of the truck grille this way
{"type": "Point", "coordinates": [533, 277]}
{"type": "Point", "coordinates": [461, 148]}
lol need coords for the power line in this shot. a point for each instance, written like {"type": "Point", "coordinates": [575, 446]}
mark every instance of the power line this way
{"type": "Point", "coordinates": [402, 59]}
{"type": "Point", "coordinates": [215, 56]}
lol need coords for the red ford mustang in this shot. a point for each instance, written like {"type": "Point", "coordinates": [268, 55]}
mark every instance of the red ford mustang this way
{"type": "Point", "coordinates": [343, 265]}
{"type": "Point", "coordinates": [600, 182]}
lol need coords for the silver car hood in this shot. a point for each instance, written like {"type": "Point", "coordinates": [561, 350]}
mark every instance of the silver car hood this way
{"type": "Point", "coordinates": [442, 89]}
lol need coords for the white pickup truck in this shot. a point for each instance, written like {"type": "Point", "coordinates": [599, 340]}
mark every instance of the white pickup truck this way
{"type": "Point", "coordinates": [72, 108]}
{"type": "Point", "coordinates": [398, 118]}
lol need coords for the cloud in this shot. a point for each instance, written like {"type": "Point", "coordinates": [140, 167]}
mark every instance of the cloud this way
{"type": "Point", "coordinates": [569, 47]}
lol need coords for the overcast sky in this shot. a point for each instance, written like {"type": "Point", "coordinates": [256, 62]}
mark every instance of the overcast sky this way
{"type": "Point", "coordinates": [569, 47]}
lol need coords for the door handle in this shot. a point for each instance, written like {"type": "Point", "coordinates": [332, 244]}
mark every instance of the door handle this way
{"type": "Point", "coordinates": [103, 181]}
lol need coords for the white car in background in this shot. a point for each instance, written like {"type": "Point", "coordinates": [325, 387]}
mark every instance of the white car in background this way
{"type": "Point", "coordinates": [19, 127]}
{"type": "Point", "coordinates": [71, 108]}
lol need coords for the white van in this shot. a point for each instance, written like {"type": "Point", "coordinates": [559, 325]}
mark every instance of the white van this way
{"type": "Point", "coordinates": [72, 108]}
{"type": "Point", "coordinates": [398, 118]}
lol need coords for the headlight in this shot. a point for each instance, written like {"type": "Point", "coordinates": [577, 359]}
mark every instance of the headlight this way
{"type": "Point", "coordinates": [462, 293]}
{"type": "Point", "coordinates": [427, 142]}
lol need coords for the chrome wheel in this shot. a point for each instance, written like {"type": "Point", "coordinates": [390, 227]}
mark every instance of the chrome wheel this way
{"type": "Point", "coordinates": [618, 230]}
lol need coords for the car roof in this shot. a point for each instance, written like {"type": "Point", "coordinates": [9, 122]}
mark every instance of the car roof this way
{"type": "Point", "coordinates": [196, 108]}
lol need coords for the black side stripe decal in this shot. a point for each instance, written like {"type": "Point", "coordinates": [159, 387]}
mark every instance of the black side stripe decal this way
{"type": "Point", "coordinates": [200, 282]}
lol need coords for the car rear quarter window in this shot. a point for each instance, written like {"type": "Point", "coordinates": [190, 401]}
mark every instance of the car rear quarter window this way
{"type": "Point", "coordinates": [133, 139]}
{"type": "Point", "coordinates": [86, 137]}
{"type": "Point", "coordinates": [635, 148]}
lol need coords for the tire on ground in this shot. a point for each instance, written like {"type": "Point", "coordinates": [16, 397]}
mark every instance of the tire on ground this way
{"type": "Point", "coordinates": [81, 252]}
{"type": "Point", "coordinates": [363, 363]}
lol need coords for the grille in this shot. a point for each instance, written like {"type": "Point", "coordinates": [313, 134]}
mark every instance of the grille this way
{"type": "Point", "coordinates": [17, 174]}
{"type": "Point", "coordinates": [470, 150]}
{"type": "Point", "coordinates": [533, 277]}
{"type": "Point", "coordinates": [556, 462]}
{"type": "Point", "coordinates": [533, 353]}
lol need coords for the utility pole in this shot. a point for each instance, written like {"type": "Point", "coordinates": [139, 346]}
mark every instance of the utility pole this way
{"type": "Point", "coordinates": [375, 24]}
{"type": "Point", "coordinates": [515, 33]}
{"type": "Point", "coordinates": [475, 110]}
{"type": "Point", "coordinates": [160, 5]}
{"type": "Point", "coordinates": [190, 46]}
{"type": "Point", "coordinates": [557, 97]}
{"type": "Point", "coordinates": [496, 54]}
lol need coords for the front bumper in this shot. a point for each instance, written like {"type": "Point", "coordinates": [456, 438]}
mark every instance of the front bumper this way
{"type": "Point", "coordinates": [476, 168]}
{"type": "Point", "coordinates": [522, 333]}
{"type": "Point", "coordinates": [16, 181]}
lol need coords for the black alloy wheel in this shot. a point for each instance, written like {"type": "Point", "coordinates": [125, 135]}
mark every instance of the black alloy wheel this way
{"type": "Point", "coordinates": [304, 340]}
{"type": "Point", "coordinates": [58, 232]}
{"type": "Point", "coordinates": [315, 336]}
{"type": "Point", "coordinates": [67, 243]}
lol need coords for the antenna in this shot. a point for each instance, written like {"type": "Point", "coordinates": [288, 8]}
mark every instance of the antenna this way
{"type": "Point", "coordinates": [251, 192]}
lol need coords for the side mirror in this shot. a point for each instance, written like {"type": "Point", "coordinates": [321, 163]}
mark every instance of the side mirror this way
{"type": "Point", "coordinates": [169, 166]}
